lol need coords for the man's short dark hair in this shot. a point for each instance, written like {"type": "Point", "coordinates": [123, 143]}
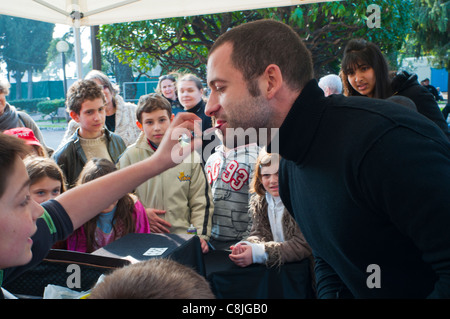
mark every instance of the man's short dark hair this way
{"type": "Point", "coordinates": [260, 43]}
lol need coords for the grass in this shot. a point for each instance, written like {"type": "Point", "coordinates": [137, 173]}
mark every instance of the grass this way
{"type": "Point", "coordinates": [54, 125]}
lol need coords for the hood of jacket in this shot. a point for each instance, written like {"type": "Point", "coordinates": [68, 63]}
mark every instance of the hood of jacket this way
{"type": "Point", "coordinates": [402, 81]}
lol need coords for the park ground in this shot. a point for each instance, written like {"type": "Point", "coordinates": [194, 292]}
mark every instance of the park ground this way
{"type": "Point", "coordinates": [52, 132]}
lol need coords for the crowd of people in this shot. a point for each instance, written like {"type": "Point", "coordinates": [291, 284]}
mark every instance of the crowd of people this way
{"type": "Point", "coordinates": [356, 173]}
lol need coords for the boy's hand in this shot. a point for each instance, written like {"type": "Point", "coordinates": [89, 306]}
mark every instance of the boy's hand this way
{"type": "Point", "coordinates": [157, 224]}
{"type": "Point", "coordinates": [171, 152]}
{"type": "Point", "coordinates": [204, 245]}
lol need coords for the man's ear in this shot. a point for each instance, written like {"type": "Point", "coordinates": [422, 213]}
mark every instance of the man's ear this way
{"type": "Point", "coordinates": [75, 116]}
{"type": "Point", "coordinates": [139, 125]}
{"type": "Point", "coordinates": [273, 79]}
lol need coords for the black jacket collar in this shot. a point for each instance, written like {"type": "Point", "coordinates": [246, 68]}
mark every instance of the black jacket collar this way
{"type": "Point", "coordinates": [197, 108]}
{"type": "Point", "coordinates": [299, 127]}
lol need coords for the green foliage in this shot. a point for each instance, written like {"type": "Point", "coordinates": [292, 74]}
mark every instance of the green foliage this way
{"type": "Point", "coordinates": [327, 27]}
{"type": "Point", "coordinates": [432, 30]}
{"type": "Point", "coordinates": [173, 43]}
{"type": "Point", "coordinates": [29, 105]}
{"type": "Point", "coordinates": [48, 107]}
{"type": "Point", "coordinates": [183, 43]}
{"type": "Point", "coordinates": [24, 43]}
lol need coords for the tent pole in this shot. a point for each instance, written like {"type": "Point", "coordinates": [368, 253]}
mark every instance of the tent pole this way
{"type": "Point", "coordinates": [78, 57]}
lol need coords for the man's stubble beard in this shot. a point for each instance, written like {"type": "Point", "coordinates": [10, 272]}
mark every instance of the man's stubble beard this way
{"type": "Point", "coordinates": [255, 121]}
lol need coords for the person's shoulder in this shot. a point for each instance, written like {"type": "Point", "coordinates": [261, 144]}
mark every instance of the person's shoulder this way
{"type": "Point", "coordinates": [25, 115]}
{"type": "Point", "coordinates": [63, 150]}
{"type": "Point", "coordinates": [72, 126]}
{"type": "Point", "coordinates": [124, 104]}
{"type": "Point", "coordinates": [214, 156]}
{"type": "Point", "coordinates": [27, 120]}
{"type": "Point", "coordinates": [134, 150]}
{"type": "Point", "coordinates": [115, 137]}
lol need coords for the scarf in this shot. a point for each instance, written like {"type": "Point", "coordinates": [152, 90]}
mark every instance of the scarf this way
{"type": "Point", "coordinates": [9, 119]}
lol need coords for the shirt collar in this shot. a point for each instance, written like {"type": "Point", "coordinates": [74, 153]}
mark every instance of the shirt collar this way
{"type": "Point", "coordinates": [273, 201]}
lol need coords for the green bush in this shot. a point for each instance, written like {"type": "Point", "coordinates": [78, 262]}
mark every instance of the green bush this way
{"type": "Point", "coordinates": [29, 106]}
{"type": "Point", "coordinates": [47, 107]}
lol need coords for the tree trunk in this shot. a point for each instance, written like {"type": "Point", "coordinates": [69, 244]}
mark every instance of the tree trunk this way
{"type": "Point", "coordinates": [124, 73]}
{"type": "Point", "coordinates": [30, 83]}
{"type": "Point", "coordinates": [96, 52]}
{"type": "Point", "coordinates": [18, 77]}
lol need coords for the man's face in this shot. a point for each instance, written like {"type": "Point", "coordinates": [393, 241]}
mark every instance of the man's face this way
{"type": "Point", "coordinates": [91, 118]}
{"type": "Point", "coordinates": [18, 215]}
{"type": "Point", "coordinates": [230, 101]}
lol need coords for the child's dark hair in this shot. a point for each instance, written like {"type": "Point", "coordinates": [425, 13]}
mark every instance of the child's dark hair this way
{"type": "Point", "coordinates": [123, 216]}
{"type": "Point", "coordinates": [10, 148]}
{"type": "Point", "coordinates": [81, 91]}
{"type": "Point", "coordinates": [150, 103]}
{"type": "Point", "coordinates": [39, 167]}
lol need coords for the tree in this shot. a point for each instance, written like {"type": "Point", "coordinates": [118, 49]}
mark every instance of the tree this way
{"type": "Point", "coordinates": [173, 43]}
{"type": "Point", "coordinates": [183, 43]}
{"type": "Point", "coordinates": [24, 44]}
{"type": "Point", "coordinates": [432, 32]}
{"type": "Point", "coordinates": [327, 27]}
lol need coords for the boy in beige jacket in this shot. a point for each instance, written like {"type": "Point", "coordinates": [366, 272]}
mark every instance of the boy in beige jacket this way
{"type": "Point", "coordinates": [181, 196]}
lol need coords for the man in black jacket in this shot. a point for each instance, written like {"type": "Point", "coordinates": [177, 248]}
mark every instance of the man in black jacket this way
{"type": "Point", "coordinates": [430, 88]}
{"type": "Point", "coordinates": [366, 180]}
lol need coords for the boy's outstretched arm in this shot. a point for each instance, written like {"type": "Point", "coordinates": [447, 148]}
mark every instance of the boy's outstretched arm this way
{"type": "Point", "coordinates": [85, 201]}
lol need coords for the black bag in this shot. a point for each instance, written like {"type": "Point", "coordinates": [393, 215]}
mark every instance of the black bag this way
{"type": "Point", "coordinates": [54, 270]}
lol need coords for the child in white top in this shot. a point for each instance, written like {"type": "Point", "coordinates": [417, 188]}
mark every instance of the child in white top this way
{"type": "Point", "coordinates": [275, 237]}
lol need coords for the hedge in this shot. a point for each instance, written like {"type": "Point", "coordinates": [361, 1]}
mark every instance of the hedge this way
{"type": "Point", "coordinates": [47, 107]}
{"type": "Point", "coordinates": [27, 105]}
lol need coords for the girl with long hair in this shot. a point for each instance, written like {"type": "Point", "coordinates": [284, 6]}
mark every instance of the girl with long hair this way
{"type": "Point", "coordinates": [127, 215]}
{"type": "Point", "coordinates": [275, 237]}
{"type": "Point", "coordinates": [365, 72]}
{"type": "Point", "coordinates": [46, 178]}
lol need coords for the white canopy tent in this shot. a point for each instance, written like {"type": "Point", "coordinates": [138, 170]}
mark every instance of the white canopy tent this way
{"type": "Point", "coordinates": [78, 13]}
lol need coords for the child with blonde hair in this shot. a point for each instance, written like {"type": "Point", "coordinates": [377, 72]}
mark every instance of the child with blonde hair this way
{"type": "Point", "coordinates": [275, 237]}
